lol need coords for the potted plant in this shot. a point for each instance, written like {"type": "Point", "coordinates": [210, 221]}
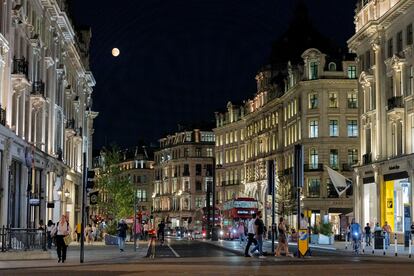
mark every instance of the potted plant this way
{"type": "Point", "coordinates": [325, 234]}
{"type": "Point", "coordinates": [314, 234]}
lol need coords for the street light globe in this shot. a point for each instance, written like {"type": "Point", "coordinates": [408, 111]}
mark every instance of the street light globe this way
{"type": "Point", "coordinates": [67, 193]}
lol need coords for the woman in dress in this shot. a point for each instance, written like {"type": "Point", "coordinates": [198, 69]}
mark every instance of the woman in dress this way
{"type": "Point", "coordinates": [282, 239]}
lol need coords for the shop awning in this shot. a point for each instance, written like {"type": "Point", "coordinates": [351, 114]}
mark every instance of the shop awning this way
{"type": "Point", "coordinates": [340, 182]}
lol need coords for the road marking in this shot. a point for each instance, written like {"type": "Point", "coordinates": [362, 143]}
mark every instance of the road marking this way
{"type": "Point", "coordinates": [173, 251]}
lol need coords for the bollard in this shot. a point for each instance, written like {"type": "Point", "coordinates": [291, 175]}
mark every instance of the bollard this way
{"type": "Point", "coordinates": [364, 244]}
{"type": "Point", "coordinates": [383, 245]}
{"type": "Point", "coordinates": [409, 245]}
{"type": "Point", "coordinates": [373, 243]}
{"type": "Point", "coordinates": [395, 245]}
{"type": "Point", "coordinates": [346, 241]}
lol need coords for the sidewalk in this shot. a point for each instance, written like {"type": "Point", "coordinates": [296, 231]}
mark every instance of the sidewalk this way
{"type": "Point", "coordinates": [96, 253]}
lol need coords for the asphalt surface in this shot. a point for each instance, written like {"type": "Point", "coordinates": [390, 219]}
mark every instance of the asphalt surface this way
{"type": "Point", "coordinates": [183, 257]}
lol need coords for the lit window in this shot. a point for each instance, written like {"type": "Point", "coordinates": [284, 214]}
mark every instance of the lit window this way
{"type": "Point", "coordinates": [314, 187]}
{"type": "Point", "coordinates": [313, 128]}
{"type": "Point", "coordinates": [313, 158]}
{"type": "Point", "coordinates": [333, 100]}
{"type": "Point", "coordinates": [333, 128]}
{"type": "Point", "coordinates": [333, 158]}
{"type": "Point", "coordinates": [352, 74]}
{"type": "Point", "coordinates": [352, 128]}
{"type": "Point", "coordinates": [352, 100]}
{"type": "Point", "coordinates": [352, 156]}
{"type": "Point", "coordinates": [313, 101]}
{"type": "Point", "coordinates": [313, 70]}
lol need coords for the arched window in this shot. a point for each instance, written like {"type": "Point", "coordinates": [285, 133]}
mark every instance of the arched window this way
{"type": "Point", "coordinates": [332, 66]}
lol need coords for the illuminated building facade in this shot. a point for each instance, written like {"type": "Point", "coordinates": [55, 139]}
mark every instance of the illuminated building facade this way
{"type": "Point", "coordinates": [46, 118]}
{"type": "Point", "coordinates": [183, 170]}
{"type": "Point", "coordinates": [383, 42]}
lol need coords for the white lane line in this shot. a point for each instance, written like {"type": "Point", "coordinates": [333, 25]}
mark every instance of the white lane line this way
{"type": "Point", "coordinates": [173, 251]}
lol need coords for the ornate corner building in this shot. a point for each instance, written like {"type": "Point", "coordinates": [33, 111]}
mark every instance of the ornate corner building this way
{"type": "Point", "coordinates": [316, 105]}
{"type": "Point", "coordinates": [46, 118]}
{"type": "Point", "coordinates": [383, 42]}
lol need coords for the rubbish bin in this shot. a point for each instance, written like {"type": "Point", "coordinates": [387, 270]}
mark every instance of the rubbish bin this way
{"type": "Point", "coordinates": [379, 240]}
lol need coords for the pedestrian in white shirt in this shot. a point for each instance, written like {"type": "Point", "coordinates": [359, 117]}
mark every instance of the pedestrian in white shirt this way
{"type": "Point", "coordinates": [250, 235]}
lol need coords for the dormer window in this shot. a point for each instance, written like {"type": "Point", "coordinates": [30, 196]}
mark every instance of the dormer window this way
{"type": "Point", "coordinates": [313, 70]}
{"type": "Point", "coordinates": [332, 66]}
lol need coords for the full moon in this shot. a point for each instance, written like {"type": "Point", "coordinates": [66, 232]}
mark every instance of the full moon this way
{"type": "Point", "coordinates": [115, 52]}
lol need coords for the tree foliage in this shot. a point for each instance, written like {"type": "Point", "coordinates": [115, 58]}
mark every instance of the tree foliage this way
{"type": "Point", "coordinates": [116, 188]}
{"type": "Point", "coordinates": [285, 196]}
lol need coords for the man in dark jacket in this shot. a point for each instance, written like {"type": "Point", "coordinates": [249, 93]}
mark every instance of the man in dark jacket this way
{"type": "Point", "coordinates": [122, 230]}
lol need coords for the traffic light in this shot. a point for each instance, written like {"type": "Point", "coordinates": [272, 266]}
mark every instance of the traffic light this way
{"type": "Point", "coordinates": [91, 180]}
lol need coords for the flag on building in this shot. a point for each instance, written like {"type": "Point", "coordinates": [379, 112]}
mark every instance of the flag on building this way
{"type": "Point", "coordinates": [340, 182]}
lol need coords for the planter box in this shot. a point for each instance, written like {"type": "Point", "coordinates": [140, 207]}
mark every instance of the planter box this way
{"type": "Point", "coordinates": [314, 238]}
{"type": "Point", "coordinates": [325, 239]}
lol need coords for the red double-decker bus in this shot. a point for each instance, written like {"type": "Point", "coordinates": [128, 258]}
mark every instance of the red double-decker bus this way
{"type": "Point", "coordinates": [235, 211]}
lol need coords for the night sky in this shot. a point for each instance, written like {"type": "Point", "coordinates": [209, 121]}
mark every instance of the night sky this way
{"type": "Point", "coordinates": [181, 60]}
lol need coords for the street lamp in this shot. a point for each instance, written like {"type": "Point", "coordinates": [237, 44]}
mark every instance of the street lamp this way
{"type": "Point", "coordinates": [59, 191]}
{"type": "Point", "coordinates": [66, 193]}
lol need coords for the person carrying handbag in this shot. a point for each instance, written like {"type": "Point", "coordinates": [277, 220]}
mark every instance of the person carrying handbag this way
{"type": "Point", "coordinates": [61, 231]}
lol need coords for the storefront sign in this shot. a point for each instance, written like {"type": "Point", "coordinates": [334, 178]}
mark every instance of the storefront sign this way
{"type": "Point", "coordinates": [389, 203]}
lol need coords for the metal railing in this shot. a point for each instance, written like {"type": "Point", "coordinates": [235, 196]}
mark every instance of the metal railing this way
{"type": "Point", "coordinates": [22, 239]}
{"type": "Point", "coordinates": [20, 66]}
{"type": "Point", "coordinates": [395, 102]}
{"type": "Point", "coordinates": [38, 88]}
{"type": "Point", "coordinates": [2, 116]}
{"type": "Point", "coordinates": [317, 167]}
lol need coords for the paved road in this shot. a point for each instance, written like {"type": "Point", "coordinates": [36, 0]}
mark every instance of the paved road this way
{"type": "Point", "coordinates": [183, 257]}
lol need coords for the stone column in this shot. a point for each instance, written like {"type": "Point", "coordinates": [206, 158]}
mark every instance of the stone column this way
{"type": "Point", "coordinates": [380, 100]}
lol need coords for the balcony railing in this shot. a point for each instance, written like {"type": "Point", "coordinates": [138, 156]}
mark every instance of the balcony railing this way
{"type": "Point", "coordinates": [347, 167]}
{"type": "Point", "coordinates": [317, 167]}
{"type": "Point", "coordinates": [70, 124]}
{"type": "Point", "coordinates": [2, 116]}
{"type": "Point", "coordinates": [395, 102]}
{"type": "Point", "coordinates": [231, 182]}
{"type": "Point", "coordinates": [38, 88]}
{"type": "Point", "coordinates": [20, 66]}
{"type": "Point", "coordinates": [367, 158]}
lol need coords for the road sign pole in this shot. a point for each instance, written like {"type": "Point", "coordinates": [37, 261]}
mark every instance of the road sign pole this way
{"type": "Point", "coordinates": [84, 181]}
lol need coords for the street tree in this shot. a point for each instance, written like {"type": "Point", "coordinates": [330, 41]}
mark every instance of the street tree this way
{"type": "Point", "coordinates": [115, 187]}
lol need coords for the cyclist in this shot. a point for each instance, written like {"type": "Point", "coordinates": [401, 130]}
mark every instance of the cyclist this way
{"type": "Point", "coordinates": [161, 228]}
{"type": "Point", "coordinates": [356, 234]}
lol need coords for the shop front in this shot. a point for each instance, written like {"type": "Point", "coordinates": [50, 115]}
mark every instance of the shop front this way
{"type": "Point", "coordinates": [395, 202]}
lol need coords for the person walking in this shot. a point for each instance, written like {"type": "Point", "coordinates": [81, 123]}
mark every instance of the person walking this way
{"type": "Point", "coordinates": [146, 228]}
{"type": "Point", "coordinates": [240, 230]}
{"type": "Point", "coordinates": [250, 235]}
{"type": "Point", "coordinates": [78, 232]}
{"type": "Point", "coordinates": [122, 229]}
{"type": "Point", "coordinates": [61, 230]}
{"type": "Point", "coordinates": [259, 231]}
{"type": "Point", "coordinates": [282, 239]}
{"type": "Point", "coordinates": [49, 229]}
{"type": "Point", "coordinates": [387, 232]}
{"type": "Point", "coordinates": [367, 231]}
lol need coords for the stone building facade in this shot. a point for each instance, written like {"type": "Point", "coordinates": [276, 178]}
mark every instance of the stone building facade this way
{"type": "Point", "coordinates": [46, 117]}
{"type": "Point", "coordinates": [183, 170]}
{"type": "Point", "coordinates": [316, 105]}
{"type": "Point", "coordinates": [383, 42]}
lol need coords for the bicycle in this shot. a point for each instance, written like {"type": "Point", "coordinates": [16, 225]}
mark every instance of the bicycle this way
{"type": "Point", "coordinates": [356, 245]}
